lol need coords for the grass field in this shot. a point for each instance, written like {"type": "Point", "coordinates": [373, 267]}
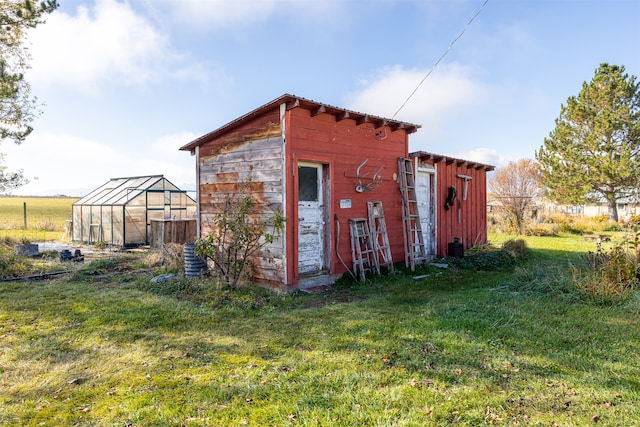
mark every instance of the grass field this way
{"type": "Point", "coordinates": [46, 217]}
{"type": "Point", "coordinates": [457, 347]}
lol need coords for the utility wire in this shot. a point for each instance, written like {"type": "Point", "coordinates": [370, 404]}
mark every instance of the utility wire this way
{"type": "Point", "coordinates": [440, 59]}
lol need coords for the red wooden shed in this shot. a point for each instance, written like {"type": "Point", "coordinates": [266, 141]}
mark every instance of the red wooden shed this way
{"type": "Point", "coordinates": [464, 218]}
{"type": "Point", "coordinates": [318, 164]}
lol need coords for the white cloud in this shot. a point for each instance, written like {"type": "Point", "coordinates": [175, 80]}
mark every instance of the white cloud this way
{"type": "Point", "coordinates": [488, 156]}
{"type": "Point", "coordinates": [447, 90]}
{"type": "Point", "coordinates": [71, 165]}
{"type": "Point", "coordinates": [222, 13]}
{"type": "Point", "coordinates": [107, 42]}
{"type": "Point", "coordinates": [232, 14]}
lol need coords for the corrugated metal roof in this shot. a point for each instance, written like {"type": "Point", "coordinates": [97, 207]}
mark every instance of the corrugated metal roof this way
{"type": "Point", "coordinates": [293, 101]}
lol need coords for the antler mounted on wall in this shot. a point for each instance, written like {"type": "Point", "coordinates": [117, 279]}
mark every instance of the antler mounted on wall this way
{"type": "Point", "coordinates": [374, 182]}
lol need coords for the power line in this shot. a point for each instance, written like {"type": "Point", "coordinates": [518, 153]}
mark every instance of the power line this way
{"type": "Point", "coordinates": [440, 59]}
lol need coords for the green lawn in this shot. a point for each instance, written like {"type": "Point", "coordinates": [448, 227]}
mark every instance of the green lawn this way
{"type": "Point", "coordinates": [458, 347]}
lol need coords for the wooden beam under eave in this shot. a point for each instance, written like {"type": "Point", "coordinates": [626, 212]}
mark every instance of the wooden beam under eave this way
{"type": "Point", "coordinates": [380, 123]}
{"type": "Point", "coordinates": [293, 104]}
{"type": "Point", "coordinates": [344, 115]}
{"type": "Point", "coordinates": [320, 110]}
{"type": "Point", "coordinates": [362, 120]}
{"type": "Point", "coordinates": [401, 125]}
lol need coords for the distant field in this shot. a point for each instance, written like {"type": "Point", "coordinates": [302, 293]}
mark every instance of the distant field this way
{"type": "Point", "coordinates": [45, 217]}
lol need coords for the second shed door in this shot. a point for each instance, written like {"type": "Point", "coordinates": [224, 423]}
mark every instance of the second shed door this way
{"type": "Point", "coordinates": [424, 194]}
{"type": "Point", "coordinates": [310, 219]}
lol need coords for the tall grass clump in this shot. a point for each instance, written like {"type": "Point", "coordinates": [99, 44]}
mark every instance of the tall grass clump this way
{"type": "Point", "coordinates": [612, 274]}
{"type": "Point", "coordinates": [170, 257]}
{"type": "Point", "coordinates": [551, 281]}
{"type": "Point", "coordinates": [11, 265]}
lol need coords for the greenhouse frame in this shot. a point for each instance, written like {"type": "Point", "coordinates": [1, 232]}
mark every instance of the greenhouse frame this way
{"type": "Point", "coordinates": [120, 211]}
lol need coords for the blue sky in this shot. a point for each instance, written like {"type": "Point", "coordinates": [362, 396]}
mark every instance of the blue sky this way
{"type": "Point", "coordinates": [126, 83]}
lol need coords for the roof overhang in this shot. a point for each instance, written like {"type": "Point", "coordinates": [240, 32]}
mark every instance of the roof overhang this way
{"type": "Point", "coordinates": [314, 107]}
{"type": "Point", "coordinates": [438, 158]}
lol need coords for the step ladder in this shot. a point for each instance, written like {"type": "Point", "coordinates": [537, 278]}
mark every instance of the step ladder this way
{"type": "Point", "coordinates": [379, 236]}
{"type": "Point", "coordinates": [414, 250]}
{"type": "Point", "coordinates": [362, 253]}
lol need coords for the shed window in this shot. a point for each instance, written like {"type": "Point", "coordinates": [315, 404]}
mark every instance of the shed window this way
{"type": "Point", "coordinates": [307, 184]}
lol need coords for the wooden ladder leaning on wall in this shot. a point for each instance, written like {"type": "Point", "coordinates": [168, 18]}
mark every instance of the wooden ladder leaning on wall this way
{"type": "Point", "coordinates": [414, 250]}
{"type": "Point", "coordinates": [379, 235]}
{"type": "Point", "coordinates": [362, 253]}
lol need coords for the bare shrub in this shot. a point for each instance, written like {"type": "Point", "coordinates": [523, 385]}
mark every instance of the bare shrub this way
{"type": "Point", "coordinates": [239, 234]}
{"type": "Point", "coordinates": [516, 187]}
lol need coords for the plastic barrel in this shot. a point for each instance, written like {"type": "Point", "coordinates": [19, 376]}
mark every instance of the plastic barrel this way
{"type": "Point", "coordinates": [193, 265]}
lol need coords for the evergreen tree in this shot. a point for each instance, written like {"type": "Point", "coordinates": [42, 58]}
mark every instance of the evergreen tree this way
{"type": "Point", "coordinates": [593, 152]}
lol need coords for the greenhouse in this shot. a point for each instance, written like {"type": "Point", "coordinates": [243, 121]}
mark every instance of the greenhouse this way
{"type": "Point", "coordinates": [121, 211]}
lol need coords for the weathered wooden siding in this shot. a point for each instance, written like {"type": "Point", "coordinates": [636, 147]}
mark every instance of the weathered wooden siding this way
{"type": "Point", "coordinates": [251, 154]}
{"type": "Point", "coordinates": [343, 145]}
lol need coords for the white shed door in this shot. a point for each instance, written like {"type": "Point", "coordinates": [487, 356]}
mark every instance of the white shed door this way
{"type": "Point", "coordinates": [310, 219]}
{"type": "Point", "coordinates": [424, 194]}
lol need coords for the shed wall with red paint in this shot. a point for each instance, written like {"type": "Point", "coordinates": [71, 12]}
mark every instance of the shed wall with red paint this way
{"type": "Point", "coordinates": [343, 145]}
{"type": "Point", "coordinates": [466, 220]}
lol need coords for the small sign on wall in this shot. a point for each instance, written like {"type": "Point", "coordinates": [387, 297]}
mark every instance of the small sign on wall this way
{"type": "Point", "coordinates": [345, 203]}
